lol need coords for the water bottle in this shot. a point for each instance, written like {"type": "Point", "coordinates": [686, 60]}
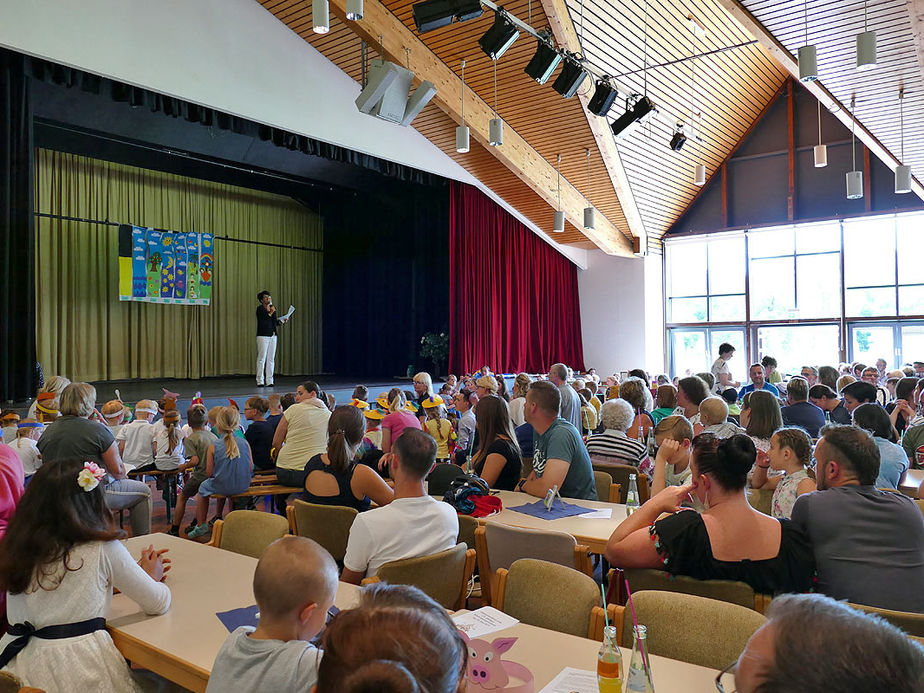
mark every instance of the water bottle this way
{"type": "Point", "coordinates": [632, 496]}
{"type": "Point", "coordinates": [609, 663]}
{"type": "Point", "coordinates": [639, 679]}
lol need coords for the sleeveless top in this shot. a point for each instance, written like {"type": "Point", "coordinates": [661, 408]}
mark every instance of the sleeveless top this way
{"type": "Point", "coordinates": [784, 495]}
{"type": "Point", "coordinates": [344, 496]}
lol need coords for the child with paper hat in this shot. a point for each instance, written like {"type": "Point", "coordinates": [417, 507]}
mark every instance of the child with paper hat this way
{"type": "Point", "coordinates": [136, 439]}
{"type": "Point", "coordinates": [438, 426]}
{"type": "Point", "coordinates": [8, 420]}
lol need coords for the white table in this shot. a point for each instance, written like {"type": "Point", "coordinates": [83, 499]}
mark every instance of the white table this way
{"type": "Point", "coordinates": [181, 644]}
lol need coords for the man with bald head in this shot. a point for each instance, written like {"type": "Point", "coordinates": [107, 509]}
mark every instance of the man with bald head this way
{"type": "Point", "coordinates": [295, 584]}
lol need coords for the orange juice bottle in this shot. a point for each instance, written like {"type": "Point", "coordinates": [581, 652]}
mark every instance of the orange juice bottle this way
{"type": "Point", "coordinates": [609, 663]}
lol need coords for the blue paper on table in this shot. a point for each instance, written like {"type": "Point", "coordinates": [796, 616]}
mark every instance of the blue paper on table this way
{"type": "Point", "coordinates": [234, 619]}
{"type": "Point", "coordinates": [558, 511]}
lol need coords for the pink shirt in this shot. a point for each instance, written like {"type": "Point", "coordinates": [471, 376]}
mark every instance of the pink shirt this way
{"type": "Point", "coordinates": [397, 421]}
{"type": "Point", "coordinates": [11, 480]}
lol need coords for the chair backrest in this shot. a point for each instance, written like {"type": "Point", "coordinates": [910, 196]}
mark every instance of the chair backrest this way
{"type": "Point", "coordinates": [602, 480]}
{"type": "Point", "coordinates": [440, 575]}
{"type": "Point", "coordinates": [249, 532]}
{"type": "Point", "coordinates": [329, 525]}
{"type": "Point", "coordinates": [467, 527]}
{"type": "Point", "coordinates": [920, 504]}
{"type": "Point", "coordinates": [440, 478]}
{"type": "Point", "coordinates": [911, 623]}
{"type": "Point", "coordinates": [692, 629]}
{"type": "Point", "coordinates": [508, 544]}
{"type": "Point", "coordinates": [549, 596]}
{"type": "Point", "coordinates": [761, 499]}
{"type": "Point", "coordinates": [731, 591]}
{"type": "Point", "coordinates": [620, 475]}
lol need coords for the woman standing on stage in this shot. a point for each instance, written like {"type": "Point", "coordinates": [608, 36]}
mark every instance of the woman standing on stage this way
{"type": "Point", "coordinates": [267, 321]}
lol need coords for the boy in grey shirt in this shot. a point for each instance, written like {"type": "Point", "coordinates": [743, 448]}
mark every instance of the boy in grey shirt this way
{"type": "Point", "coordinates": [295, 583]}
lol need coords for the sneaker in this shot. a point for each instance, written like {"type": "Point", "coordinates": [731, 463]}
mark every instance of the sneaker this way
{"type": "Point", "coordinates": [271, 384]}
{"type": "Point", "coordinates": [213, 521]}
{"type": "Point", "coordinates": [174, 531]}
{"type": "Point", "coordinates": [192, 526]}
{"type": "Point", "coordinates": [199, 531]}
{"type": "Point", "coordinates": [259, 384]}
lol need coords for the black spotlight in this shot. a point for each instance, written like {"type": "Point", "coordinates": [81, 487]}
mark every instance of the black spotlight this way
{"type": "Point", "coordinates": [623, 122]}
{"type": "Point", "coordinates": [603, 98]}
{"type": "Point", "coordinates": [434, 14]}
{"type": "Point", "coordinates": [640, 110]}
{"type": "Point", "coordinates": [570, 78]}
{"type": "Point", "coordinates": [500, 36]}
{"type": "Point", "coordinates": [679, 139]}
{"type": "Point", "coordinates": [544, 62]}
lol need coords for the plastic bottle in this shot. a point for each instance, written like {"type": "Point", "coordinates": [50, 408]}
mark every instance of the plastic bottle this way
{"type": "Point", "coordinates": [609, 663]}
{"type": "Point", "coordinates": [632, 503]}
{"type": "Point", "coordinates": [639, 679]}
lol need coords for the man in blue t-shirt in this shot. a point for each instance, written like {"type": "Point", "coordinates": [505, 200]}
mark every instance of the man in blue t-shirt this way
{"type": "Point", "coordinates": [798, 410]}
{"type": "Point", "coordinates": [560, 457]}
{"type": "Point", "coordinates": [758, 382]}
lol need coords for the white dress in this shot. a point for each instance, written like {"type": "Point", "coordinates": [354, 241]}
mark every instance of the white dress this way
{"type": "Point", "coordinates": [88, 662]}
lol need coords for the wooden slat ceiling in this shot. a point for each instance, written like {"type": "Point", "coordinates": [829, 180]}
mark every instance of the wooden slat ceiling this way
{"type": "Point", "coordinates": [551, 124]}
{"type": "Point", "coordinates": [832, 27]}
{"type": "Point", "coordinates": [730, 89]}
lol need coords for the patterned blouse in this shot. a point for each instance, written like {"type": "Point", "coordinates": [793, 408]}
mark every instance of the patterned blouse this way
{"type": "Point", "coordinates": [784, 497]}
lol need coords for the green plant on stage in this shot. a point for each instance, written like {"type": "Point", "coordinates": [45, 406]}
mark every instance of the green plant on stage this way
{"type": "Point", "coordinates": [435, 347]}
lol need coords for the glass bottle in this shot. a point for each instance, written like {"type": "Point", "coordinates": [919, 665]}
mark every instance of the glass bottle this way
{"type": "Point", "coordinates": [609, 663]}
{"type": "Point", "coordinates": [632, 496]}
{"type": "Point", "coordinates": [639, 679]}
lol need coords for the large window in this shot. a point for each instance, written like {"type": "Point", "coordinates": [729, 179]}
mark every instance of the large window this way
{"type": "Point", "coordinates": [807, 294]}
{"type": "Point", "coordinates": [695, 349]}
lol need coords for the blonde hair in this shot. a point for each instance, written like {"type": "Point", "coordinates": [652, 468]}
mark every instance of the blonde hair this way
{"type": "Point", "coordinates": [674, 427]}
{"type": "Point", "coordinates": [171, 419]}
{"type": "Point", "coordinates": [26, 431]}
{"type": "Point", "coordinates": [396, 399]}
{"type": "Point", "coordinates": [227, 421]}
{"type": "Point", "coordinates": [112, 410]}
{"type": "Point", "coordinates": [428, 381]}
{"type": "Point", "coordinates": [78, 399]}
{"type": "Point", "coordinates": [55, 384]}
{"type": "Point", "coordinates": [148, 404]}
{"type": "Point", "coordinates": [521, 385]}
{"type": "Point", "coordinates": [844, 381]}
{"type": "Point", "coordinates": [213, 415]}
{"type": "Point", "coordinates": [714, 410]}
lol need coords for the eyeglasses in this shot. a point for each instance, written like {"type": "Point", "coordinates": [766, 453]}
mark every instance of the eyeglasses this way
{"type": "Point", "coordinates": [730, 669]}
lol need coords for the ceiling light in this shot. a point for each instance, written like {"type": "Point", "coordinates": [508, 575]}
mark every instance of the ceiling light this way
{"type": "Point", "coordinates": [433, 14]}
{"type": "Point", "coordinates": [354, 10]}
{"type": "Point", "coordinates": [496, 126]}
{"type": "Point", "coordinates": [462, 133]}
{"type": "Point", "coordinates": [808, 55]}
{"type": "Point", "coordinates": [570, 78]}
{"type": "Point", "coordinates": [641, 110]}
{"type": "Point", "coordinates": [544, 62]}
{"type": "Point", "coordinates": [500, 36]}
{"type": "Point", "coordinates": [699, 175]}
{"type": "Point", "coordinates": [866, 45]}
{"type": "Point", "coordinates": [854, 177]}
{"type": "Point", "coordinates": [902, 171]}
{"type": "Point", "coordinates": [821, 150]}
{"type": "Point", "coordinates": [320, 16]}
{"type": "Point", "coordinates": [679, 139]}
{"type": "Point", "coordinates": [602, 100]}
{"type": "Point", "coordinates": [590, 221]}
{"type": "Point", "coordinates": [559, 224]}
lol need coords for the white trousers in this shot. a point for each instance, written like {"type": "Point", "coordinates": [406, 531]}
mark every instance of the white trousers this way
{"type": "Point", "coordinates": [266, 358]}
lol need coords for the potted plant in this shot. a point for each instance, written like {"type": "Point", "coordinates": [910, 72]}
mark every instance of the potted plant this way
{"type": "Point", "coordinates": [434, 346]}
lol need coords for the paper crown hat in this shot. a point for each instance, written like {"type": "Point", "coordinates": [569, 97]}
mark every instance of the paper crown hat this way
{"type": "Point", "coordinates": [358, 403]}
{"type": "Point", "coordinates": [411, 407]}
{"type": "Point", "coordinates": [374, 414]}
{"type": "Point", "coordinates": [382, 400]}
{"type": "Point", "coordinates": [434, 401]}
{"type": "Point", "coordinates": [197, 400]}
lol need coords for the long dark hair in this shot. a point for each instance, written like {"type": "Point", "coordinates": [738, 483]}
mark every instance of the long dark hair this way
{"type": "Point", "coordinates": [492, 419]}
{"type": "Point", "coordinates": [728, 460]}
{"type": "Point", "coordinates": [874, 419]}
{"type": "Point", "coordinates": [54, 515]}
{"type": "Point", "coordinates": [345, 430]}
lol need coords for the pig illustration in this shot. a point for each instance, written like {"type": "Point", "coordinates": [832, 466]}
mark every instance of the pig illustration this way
{"type": "Point", "coordinates": [485, 669]}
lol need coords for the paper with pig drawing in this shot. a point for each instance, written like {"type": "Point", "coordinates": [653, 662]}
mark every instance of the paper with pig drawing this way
{"type": "Point", "coordinates": [482, 621]}
{"type": "Point", "coordinates": [572, 680]}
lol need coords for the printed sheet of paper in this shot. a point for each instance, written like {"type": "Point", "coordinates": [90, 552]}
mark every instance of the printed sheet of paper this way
{"type": "Point", "coordinates": [572, 680]}
{"type": "Point", "coordinates": [601, 514]}
{"type": "Point", "coordinates": [482, 621]}
{"type": "Point", "coordinates": [289, 314]}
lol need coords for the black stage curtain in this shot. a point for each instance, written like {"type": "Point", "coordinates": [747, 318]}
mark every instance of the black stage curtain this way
{"type": "Point", "coordinates": [386, 279]}
{"type": "Point", "coordinates": [17, 233]}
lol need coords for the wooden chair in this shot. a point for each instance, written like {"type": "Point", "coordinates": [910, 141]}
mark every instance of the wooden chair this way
{"type": "Point", "coordinates": [444, 576]}
{"type": "Point", "coordinates": [498, 546]}
{"type": "Point", "coordinates": [911, 623]}
{"type": "Point", "coordinates": [329, 525]}
{"type": "Point", "coordinates": [920, 504]}
{"type": "Point", "coordinates": [731, 591]}
{"type": "Point", "coordinates": [468, 525]}
{"type": "Point", "coordinates": [761, 499]}
{"type": "Point", "coordinates": [620, 475]}
{"type": "Point", "coordinates": [692, 629]}
{"type": "Point", "coordinates": [248, 532]}
{"type": "Point", "coordinates": [606, 490]}
{"type": "Point", "coordinates": [550, 596]}
{"type": "Point", "coordinates": [10, 683]}
{"type": "Point", "coordinates": [441, 477]}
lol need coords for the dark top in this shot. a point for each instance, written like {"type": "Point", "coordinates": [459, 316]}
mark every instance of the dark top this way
{"type": "Point", "coordinates": [804, 415]}
{"type": "Point", "coordinates": [260, 436]}
{"type": "Point", "coordinates": [683, 541]}
{"type": "Point", "coordinates": [900, 423]}
{"type": "Point", "coordinates": [266, 323]}
{"type": "Point", "coordinates": [840, 415]}
{"type": "Point", "coordinates": [869, 545]}
{"type": "Point", "coordinates": [74, 436]}
{"type": "Point", "coordinates": [525, 434]}
{"type": "Point", "coordinates": [510, 474]}
{"type": "Point", "coordinates": [274, 420]}
{"type": "Point", "coordinates": [345, 496]}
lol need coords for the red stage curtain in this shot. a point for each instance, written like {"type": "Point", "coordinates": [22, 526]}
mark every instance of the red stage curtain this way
{"type": "Point", "coordinates": [513, 298]}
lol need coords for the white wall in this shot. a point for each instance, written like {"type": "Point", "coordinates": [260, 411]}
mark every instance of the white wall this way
{"type": "Point", "coordinates": [231, 55]}
{"type": "Point", "coordinates": [621, 315]}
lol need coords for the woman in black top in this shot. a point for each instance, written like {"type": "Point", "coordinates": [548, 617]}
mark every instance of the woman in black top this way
{"type": "Point", "coordinates": [729, 540]}
{"type": "Point", "coordinates": [266, 338]}
{"type": "Point", "coordinates": [498, 458]}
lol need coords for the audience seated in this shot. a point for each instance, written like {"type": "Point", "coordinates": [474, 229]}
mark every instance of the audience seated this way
{"type": "Point", "coordinates": [46, 408]}
{"type": "Point", "coordinates": [300, 435]}
{"type": "Point", "coordinates": [465, 427]}
{"type": "Point", "coordinates": [758, 382]}
{"type": "Point", "coordinates": [673, 437]}
{"type": "Point", "coordinates": [690, 392]}
{"type": "Point", "coordinates": [259, 433]}
{"type": "Point", "coordinates": [827, 400]}
{"type": "Point", "coordinates": [868, 544]}
{"type": "Point", "coordinates": [790, 453]}
{"type": "Point", "coordinates": [903, 407]}
{"type": "Point", "coordinates": [729, 540]}
{"type": "Point", "coordinates": [666, 402]}
{"type": "Point", "coordinates": [811, 643]}
{"type": "Point", "coordinates": [560, 458]}
{"type": "Point", "coordinates": [713, 418]}
{"type": "Point", "coordinates": [197, 445]}
{"type": "Point", "coordinates": [24, 445]}
{"type": "Point", "coordinates": [294, 585]}
{"type": "Point", "coordinates": [892, 458]}
{"type": "Point", "coordinates": [498, 460]}
{"type": "Point", "coordinates": [59, 560]}
{"type": "Point", "coordinates": [526, 437]}
{"type": "Point", "coordinates": [799, 411]}
{"type": "Point", "coordinates": [857, 393]}
{"type": "Point", "coordinates": [614, 445]}
{"type": "Point", "coordinates": [871, 375]}
{"type": "Point", "coordinates": [761, 418]}
{"type": "Point", "coordinates": [413, 524]}
{"type": "Point", "coordinates": [569, 402]}
{"type": "Point", "coordinates": [771, 374]}
{"type": "Point", "coordinates": [636, 393]}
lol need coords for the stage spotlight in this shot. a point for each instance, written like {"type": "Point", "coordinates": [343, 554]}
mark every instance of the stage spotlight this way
{"type": "Point", "coordinates": [679, 139]}
{"type": "Point", "coordinates": [636, 113]}
{"type": "Point", "coordinates": [500, 36]}
{"type": "Point", "coordinates": [434, 14]}
{"type": "Point", "coordinates": [544, 62]}
{"type": "Point", "coordinates": [603, 98]}
{"type": "Point", "coordinates": [354, 10]}
{"type": "Point", "coordinates": [570, 78]}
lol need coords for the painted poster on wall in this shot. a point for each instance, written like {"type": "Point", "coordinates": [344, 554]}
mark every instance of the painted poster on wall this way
{"type": "Point", "coordinates": [164, 266]}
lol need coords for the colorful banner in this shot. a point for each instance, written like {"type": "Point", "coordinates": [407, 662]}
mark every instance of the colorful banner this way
{"type": "Point", "coordinates": [165, 267]}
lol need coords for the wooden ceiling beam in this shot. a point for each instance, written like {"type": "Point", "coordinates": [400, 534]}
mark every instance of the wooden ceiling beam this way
{"type": "Point", "coordinates": [752, 26]}
{"type": "Point", "coordinates": [516, 153]}
{"type": "Point", "coordinates": [916, 13]}
{"type": "Point", "coordinates": [566, 37]}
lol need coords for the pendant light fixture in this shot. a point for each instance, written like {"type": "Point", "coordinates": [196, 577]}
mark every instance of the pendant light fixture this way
{"type": "Point", "coordinates": [496, 126]}
{"type": "Point", "coordinates": [808, 54]}
{"type": "Point", "coordinates": [589, 213]}
{"type": "Point", "coordinates": [699, 170]}
{"type": "Point", "coordinates": [354, 10]}
{"type": "Point", "coordinates": [821, 150]}
{"type": "Point", "coordinates": [462, 134]}
{"type": "Point", "coordinates": [854, 177]}
{"type": "Point", "coordinates": [320, 16]}
{"type": "Point", "coordinates": [559, 225]}
{"type": "Point", "coordinates": [866, 44]}
{"type": "Point", "coordinates": [902, 171]}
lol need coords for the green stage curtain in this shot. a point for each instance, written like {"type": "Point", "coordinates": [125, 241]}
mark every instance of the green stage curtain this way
{"type": "Point", "coordinates": [84, 332]}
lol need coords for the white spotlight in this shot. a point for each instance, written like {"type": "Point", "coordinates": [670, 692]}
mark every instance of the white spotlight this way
{"type": "Point", "coordinates": [462, 139]}
{"type": "Point", "coordinates": [866, 50]}
{"type": "Point", "coordinates": [320, 16]}
{"type": "Point", "coordinates": [354, 10]}
{"type": "Point", "coordinates": [496, 132]}
{"type": "Point", "coordinates": [559, 226]}
{"type": "Point", "coordinates": [821, 155]}
{"type": "Point", "coordinates": [854, 185]}
{"type": "Point", "coordinates": [589, 218]}
{"type": "Point", "coordinates": [903, 179]}
{"type": "Point", "coordinates": [699, 175]}
{"type": "Point", "coordinates": [808, 64]}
